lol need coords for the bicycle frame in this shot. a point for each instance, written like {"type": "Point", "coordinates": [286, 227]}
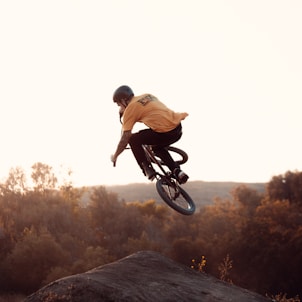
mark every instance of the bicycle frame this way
{"type": "Point", "coordinates": [152, 159]}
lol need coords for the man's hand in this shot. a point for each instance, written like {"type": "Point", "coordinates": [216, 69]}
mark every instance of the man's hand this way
{"type": "Point", "coordinates": [121, 146]}
{"type": "Point", "coordinates": [113, 159]}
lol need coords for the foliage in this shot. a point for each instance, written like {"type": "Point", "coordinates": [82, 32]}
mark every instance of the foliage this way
{"type": "Point", "coordinates": [199, 266]}
{"type": "Point", "coordinates": [286, 187]}
{"type": "Point", "coordinates": [224, 269]}
{"type": "Point", "coordinates": [283, 298]}
{"type": "Point", "coordinates": [47, 233]}
{"type": "Point", "coordinates": [12, 298]}
{"type": "Point", "coordinates": [43, 177]}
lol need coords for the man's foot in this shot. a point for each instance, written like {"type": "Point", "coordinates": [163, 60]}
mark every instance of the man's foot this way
{"type": "Point", "coordinates": [181, 176]}
{"type": "Point", "coordinates": [148, 171]}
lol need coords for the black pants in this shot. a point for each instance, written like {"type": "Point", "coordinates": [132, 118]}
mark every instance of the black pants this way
{"type": "Point", "coordinates": [159, 141]}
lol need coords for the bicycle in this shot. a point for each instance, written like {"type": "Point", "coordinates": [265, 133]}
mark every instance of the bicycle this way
{"type": "Point", "coordinates": [167, 185]}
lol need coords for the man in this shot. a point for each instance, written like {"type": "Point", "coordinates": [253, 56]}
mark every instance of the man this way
{"type": "Point", "coordinates": [164, 129]}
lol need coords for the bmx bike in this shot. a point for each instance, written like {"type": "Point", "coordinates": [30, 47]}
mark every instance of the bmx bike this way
{"type": "Point", "coordinates": [167, 185]}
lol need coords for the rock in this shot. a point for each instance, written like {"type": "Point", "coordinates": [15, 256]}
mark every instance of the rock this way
{"type": "Point", "coordinates": [144, 276]}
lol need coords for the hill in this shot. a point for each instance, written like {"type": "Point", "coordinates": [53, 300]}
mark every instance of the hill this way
{"type": "Point", "coordinates": [202, 192]}
{"type": "Point", "coordinates": [145, 276]}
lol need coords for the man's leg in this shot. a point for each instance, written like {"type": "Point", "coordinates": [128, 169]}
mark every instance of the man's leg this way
{"type": "Point", "coordinates": [159, 142]}
{"type": "Point", "coordinates": [166, 157]}
{"type": "Point", "coordinates": [136, 141]}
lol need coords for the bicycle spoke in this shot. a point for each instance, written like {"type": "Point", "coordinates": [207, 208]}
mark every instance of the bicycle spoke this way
{"type": "Point", "coordinates": [176, 197]}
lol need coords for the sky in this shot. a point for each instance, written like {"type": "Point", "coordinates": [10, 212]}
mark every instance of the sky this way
{"type": "Point", "coordinates": [235, 66]}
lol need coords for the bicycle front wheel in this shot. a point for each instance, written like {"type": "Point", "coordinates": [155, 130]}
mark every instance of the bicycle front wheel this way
{"type": "Point", "coordinates": [175, 197]}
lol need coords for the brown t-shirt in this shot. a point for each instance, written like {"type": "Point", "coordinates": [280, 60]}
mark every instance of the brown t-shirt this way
{"type": "Point", "coordinates": [149, 110]}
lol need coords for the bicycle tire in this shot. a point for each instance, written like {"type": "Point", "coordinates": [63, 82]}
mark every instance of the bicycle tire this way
{"type": "Point", "coordinates": [175, 197]}
{"type": "Point", "coordinates": [183, 156]}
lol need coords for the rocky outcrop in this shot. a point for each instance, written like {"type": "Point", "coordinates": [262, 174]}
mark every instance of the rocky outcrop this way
{"type": "Point", "coordinates": [144, 276]}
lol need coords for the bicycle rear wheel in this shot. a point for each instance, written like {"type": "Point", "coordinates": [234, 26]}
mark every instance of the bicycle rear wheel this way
{"type": "Point", "coordinates": [175, 197]}
{"type": "Point", "coordinates": [183, 155]}
{"type": "Point", "coordinates": [179, 156]}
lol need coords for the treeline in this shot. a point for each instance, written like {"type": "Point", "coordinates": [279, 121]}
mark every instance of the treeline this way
{"type": "Point", "coordinates": [252, 239]}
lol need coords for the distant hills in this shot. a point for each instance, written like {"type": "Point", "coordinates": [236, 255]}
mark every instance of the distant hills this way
{"type": "Point", "coordinates": [203, 193]}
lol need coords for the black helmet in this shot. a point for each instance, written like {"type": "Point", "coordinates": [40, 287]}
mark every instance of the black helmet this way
{"type": "Point", "coordinates": [123, 93]}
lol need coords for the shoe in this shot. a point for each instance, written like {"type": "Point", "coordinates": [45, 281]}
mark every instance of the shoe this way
{"type": "Point", "coordinates": [181, 176]}
{"type": "Point", "coordinates": [148, 171]}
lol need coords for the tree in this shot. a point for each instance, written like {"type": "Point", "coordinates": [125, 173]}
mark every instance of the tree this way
{"type": "Point", "coordinates": [15, 182]}
{"type": "Point", "coordinates": [286, 187]}
{"type": "Point", "coordinates": [91, 258]}
{"type": "Point", "coordinates": [31, 260]}
{"type": "Point", "coordinates": [247, 198]}
{"type": "Point", "coordinates": [43, 177]}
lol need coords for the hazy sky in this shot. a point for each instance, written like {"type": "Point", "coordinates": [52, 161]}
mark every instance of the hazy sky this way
{"type": "Point", "coordinates": [234, 66]}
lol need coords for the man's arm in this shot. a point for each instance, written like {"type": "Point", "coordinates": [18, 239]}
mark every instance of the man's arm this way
{"type": "Point", "coordinates": [121, 145]}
